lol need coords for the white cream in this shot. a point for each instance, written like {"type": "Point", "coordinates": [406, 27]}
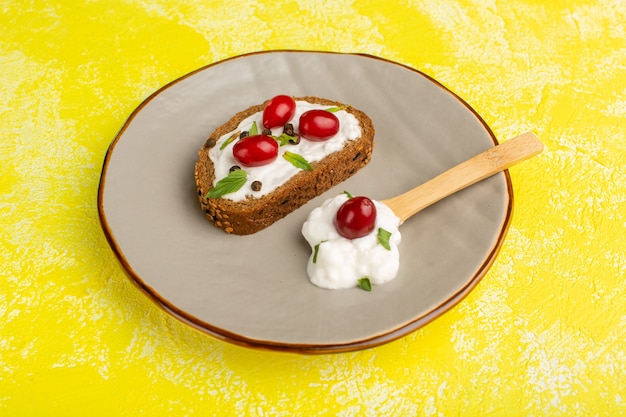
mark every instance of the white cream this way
{"type": "Point", "coordinates": [341, 262]}
{"type": "Point", "coordinates": [278, 172]}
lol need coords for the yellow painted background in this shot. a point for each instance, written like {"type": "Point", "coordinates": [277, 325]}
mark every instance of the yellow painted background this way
{"type": "Point", "coordinates": [542, 335]}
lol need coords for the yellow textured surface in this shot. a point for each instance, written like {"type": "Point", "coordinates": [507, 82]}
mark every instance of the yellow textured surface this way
{"type": "Point", "coordinates": [543, 333]}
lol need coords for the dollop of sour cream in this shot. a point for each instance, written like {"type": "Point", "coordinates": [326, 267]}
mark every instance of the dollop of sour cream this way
{"type": "Point", "coordinates": [278, 172]}
{"type": "Point", "coordinates": [337, 262]}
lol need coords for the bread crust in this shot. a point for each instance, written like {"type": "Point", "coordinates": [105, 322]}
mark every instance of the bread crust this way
{"type": "Point", "coordinates": [254, 214]}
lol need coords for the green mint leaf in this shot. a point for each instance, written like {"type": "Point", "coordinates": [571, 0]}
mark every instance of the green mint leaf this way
{"type": "Point", "coordinates": [229, 140]}
{"type": "Point", "coordinates": [365, 284]}
{"type": "Point", "coordinates": [383, 238]}
{"type": "Point", "coordinates": [253, 130]}
{"type": "Point", "coordinates": [229, 184]}
{"type": "Point", "coordinates": [297, 160]}
{"type": "Point", "coordinates": [348, 194]}
{"type": "Point", "coordinates": [316, 249]}
{"type": "Point", "coordinates": [285, 139]}
{"type": "Point", "coordinates": [336, 108]}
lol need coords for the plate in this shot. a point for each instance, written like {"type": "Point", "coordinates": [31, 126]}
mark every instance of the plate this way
{"type": "Point", "coordinates": [253, 290]}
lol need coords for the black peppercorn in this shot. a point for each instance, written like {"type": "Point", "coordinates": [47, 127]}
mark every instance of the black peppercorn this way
{"type": "Point", "coordinates": [234, 168]}
{"type": "Point", "coordinates": [256, 185]}
{"type": "Point", "coordinates": [288, 129]}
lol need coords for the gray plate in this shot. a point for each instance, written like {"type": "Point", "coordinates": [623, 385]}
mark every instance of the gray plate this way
{"type": "Point", "coordinates": [253, 290]}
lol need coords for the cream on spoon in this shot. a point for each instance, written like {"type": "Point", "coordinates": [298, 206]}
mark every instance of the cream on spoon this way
{"type": "Point", "coordinates": [341, 262]}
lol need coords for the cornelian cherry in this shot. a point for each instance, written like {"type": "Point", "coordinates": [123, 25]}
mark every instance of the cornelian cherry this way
{"type": "Point", "coordinates": [355, 218]}
{"type": "Point", "coordinates": [318, 125]}
{"type": "Point", "coordinates": [278, 111]}
{"type": "Point", "coordinates": [256, 150]}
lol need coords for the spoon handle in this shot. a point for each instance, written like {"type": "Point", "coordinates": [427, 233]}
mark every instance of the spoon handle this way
{"type": "Point", "coordinates": [475, 169]}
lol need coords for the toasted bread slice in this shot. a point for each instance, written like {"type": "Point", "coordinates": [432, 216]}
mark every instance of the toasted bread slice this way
{"type": "Point", "coordinates": [257, 209]}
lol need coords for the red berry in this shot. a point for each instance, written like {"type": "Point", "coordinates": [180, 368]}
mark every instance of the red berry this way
{"type": "Point", "coordinates": [355, 218]}
{"type": "Point", "coordinates": [278, 111]}
{"type": "Point", "coordinates": [256, 150]}
{"type": "Point", "coordinates": [318, 125]}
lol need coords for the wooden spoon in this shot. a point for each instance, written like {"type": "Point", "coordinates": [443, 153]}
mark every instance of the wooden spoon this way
{"type": "Point", "coordinates": [475, 169]}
